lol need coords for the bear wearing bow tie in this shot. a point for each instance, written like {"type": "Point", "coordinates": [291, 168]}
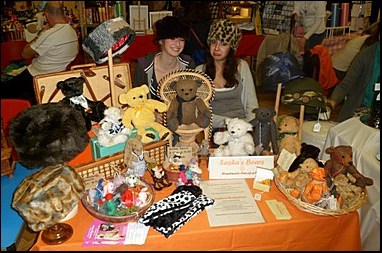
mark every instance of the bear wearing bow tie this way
{"type": "Point", "coordinates": [72, 88]}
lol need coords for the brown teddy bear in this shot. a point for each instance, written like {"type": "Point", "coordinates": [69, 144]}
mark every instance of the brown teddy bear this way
{"type": "Point", "coordinates": [341, 162]}
{"type": "Point", "coordinates": [135, 158]}
{"type": "Point", "coordinates": [288, 128]}
{"type": "Point", "coordinates": [187, 108]}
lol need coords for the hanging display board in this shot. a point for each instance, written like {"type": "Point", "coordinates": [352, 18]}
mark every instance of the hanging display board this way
{"type": "Point", "coordinates": [277, 16]}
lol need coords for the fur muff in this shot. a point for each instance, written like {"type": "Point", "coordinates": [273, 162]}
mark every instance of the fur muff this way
{"type": "Point", "coordinates": [48, 134]}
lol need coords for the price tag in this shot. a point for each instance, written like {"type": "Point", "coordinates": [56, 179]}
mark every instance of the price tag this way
{"type": "Point", "coordinates": [257, 196]}
{"type": "Point", "coordinates": [317, 127]}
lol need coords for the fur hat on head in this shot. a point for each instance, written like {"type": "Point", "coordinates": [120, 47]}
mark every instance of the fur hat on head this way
{"type": "Point", "coordinates": [171, 27]}
{"type": "Point", "coordinates": [225, 31]}
{"type": "Point", "coordinates": [114, 33]}
{"type": "Point", "coordinates": [48, 134]}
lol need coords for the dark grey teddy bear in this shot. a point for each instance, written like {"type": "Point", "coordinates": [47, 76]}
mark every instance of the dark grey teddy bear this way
{"type": "Point", "coordinates": [264, 131]}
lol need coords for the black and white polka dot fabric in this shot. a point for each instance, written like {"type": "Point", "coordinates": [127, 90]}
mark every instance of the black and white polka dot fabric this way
{"type": "Point", "coordinates": [171, 213]}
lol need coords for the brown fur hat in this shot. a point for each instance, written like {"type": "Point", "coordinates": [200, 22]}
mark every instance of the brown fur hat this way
{"type": "Point", "coordinates": [225, 31]}
{"type": "Point", "coordinates": [48, 134]}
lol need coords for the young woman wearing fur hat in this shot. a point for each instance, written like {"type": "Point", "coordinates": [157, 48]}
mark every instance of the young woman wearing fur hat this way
{"type": "Point", "coordinates": [170, 35]}
{"type": "Point", "coordinates": [235, 93]}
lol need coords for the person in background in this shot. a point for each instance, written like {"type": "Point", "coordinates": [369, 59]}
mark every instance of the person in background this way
{"type": "Point", "coordinates": [199, 17]}
{"type": "Point", "coordinates": [235, 94]}
{"type": "Point", "coordinates": [170, 34]}
{"type": "Point", "coordinates": [357, 88]}
{"type": "Point", "coordinates": [313, 17]}
{"type": "Point", "coordinates": [52, 51]}
{"type": "Point", "coordinates": [342, 58]}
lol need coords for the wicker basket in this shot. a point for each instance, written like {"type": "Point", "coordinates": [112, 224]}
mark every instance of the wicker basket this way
{"type": "Point", "coordinates": [105, 168]}
{"type": "Point", "coordinates": [316, 209]}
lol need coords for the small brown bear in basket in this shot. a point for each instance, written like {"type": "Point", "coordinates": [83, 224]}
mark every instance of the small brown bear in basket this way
{"type": "Point", "coordinates": [341, 163]}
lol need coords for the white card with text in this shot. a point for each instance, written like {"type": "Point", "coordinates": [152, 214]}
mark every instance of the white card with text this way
{"type": "Point", "coordinates": [231, 167]}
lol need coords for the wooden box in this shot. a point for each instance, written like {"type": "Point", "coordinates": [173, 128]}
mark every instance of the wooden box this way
{"type": "Point", "coordinates": [96, 88]}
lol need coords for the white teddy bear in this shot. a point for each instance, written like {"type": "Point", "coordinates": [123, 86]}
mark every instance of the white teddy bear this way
{"type": "Point", "coordinates": [112, 130]}
{"type": "Point", "coordinates": [240, 142]}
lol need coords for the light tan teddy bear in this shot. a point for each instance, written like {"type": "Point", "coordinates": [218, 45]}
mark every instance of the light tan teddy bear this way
{"type": "Point", "coordinates": [349, 193]}
{"type": "Point", "coordinates": [141, 113]}
{"type": "Point", "coordinates": [297, 180]}
{"type": "Point", "coordinates": [288, 128]}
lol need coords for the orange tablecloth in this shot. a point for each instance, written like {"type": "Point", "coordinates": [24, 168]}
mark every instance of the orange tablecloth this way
{"type": "Point", "coordinates": [304, 231]}
{"type": "Point", "coordinates": [143, 44]}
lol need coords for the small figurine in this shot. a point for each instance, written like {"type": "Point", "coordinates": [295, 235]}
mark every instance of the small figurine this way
{"type": "Point", "coordinates": [196, 171]}
{"type": "Point", "coordinates": [132, 180]}
{"type": "Point", "coordinates": [127, 198]}
{"type": "Point", "coordinates": [204, 148]}
{"type": "Point", "coordinates": [108, 190]}
{"type": "Point", "coordinates": [159, 176]}
{"type": "Point", "coordinates": [141, 200]}
{"type": "Point", "coordinates": [135, 158]}
{"type": "Point", "coordinates": [185, 175]}
{"type": "Point", "coordinates": [111, 208]}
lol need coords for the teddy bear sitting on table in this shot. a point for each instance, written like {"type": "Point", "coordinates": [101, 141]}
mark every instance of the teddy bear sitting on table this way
{"type": "Point", "coordinates": [141, 113]}
{"type": "Point", "coordinates": [73, 88]}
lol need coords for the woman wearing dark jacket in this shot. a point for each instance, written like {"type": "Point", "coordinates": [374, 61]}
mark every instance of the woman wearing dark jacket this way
{"type": "Point", "coordinates": [170, 35]}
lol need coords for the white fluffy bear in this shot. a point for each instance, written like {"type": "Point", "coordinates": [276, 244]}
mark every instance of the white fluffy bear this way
{"type": "Point", "coordinates": [112, 130]}
{"type": "Point", "coordinates": [240, 142]}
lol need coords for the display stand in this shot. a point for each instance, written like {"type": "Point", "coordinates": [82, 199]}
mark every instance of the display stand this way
{"type": "Point", "coordinates": [277, 105]}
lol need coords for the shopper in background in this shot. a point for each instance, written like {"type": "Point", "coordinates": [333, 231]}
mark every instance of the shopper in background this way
{"type": "Point", "coordinates": [235, 94]}
{"type": "Point", "coordinates": [170, 33]}
{"type": "Point", "coordinates": [342, 58]}
{"type": "Point", "coordinates": [356, 90]}
{"type": "Point", "coordinates": [313, 17]}
{"type": "Point", "coordinates": [52, 51]}
{"type": "Point", "coordinates": [198, 15]}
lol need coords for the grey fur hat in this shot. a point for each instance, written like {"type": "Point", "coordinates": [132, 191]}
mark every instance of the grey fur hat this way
{"type": "Point", "coordinates": [114, 33]}
{"type": "Point", "coordinates": [225, 31]}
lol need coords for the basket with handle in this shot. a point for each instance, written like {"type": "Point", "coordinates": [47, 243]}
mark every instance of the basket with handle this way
{"type": "Point", "coordinates": [310, 208]}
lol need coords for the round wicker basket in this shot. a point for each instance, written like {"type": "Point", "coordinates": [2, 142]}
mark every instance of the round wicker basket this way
{"type": "Point", "coordinates": [120, 219]}
{"type": "Point", "coordinates": [304, 206]}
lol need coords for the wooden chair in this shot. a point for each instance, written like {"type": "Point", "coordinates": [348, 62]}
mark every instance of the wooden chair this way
{"type": "Point", "coordinates": [187, 133]}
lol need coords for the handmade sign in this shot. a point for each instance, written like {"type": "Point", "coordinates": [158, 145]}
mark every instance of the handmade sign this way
{"type": "Point", "coordinates": [237, 166]}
